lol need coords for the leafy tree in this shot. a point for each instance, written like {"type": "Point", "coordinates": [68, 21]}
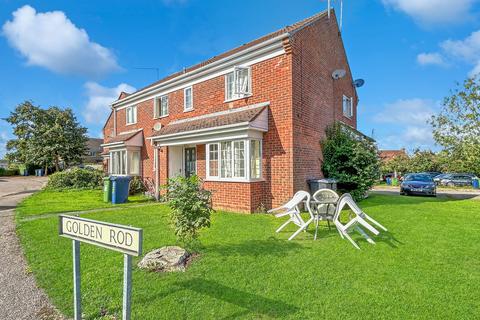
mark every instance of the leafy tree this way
{"type": "Point", "coordinates": [190, 205]}
{"type": "Point", "coordinates": [423, 161]}
{"type": "Point", "coordinates": [45, 137]}
{"type": "Point", "coordinates": [399, 164]}
{"type": "Point", "coordinates": [351, 159]}
{"type": "Point", "coordinates": [457, 127]}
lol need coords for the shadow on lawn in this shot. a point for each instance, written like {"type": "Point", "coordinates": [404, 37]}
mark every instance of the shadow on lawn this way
{"type": "Point", "coordinates": [255, 304]}
{"type": "Point", "coordinates": [269, 247]}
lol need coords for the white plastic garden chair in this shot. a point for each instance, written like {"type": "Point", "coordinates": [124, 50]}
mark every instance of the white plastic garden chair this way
{"type": "Point", "coordinates": [355, 223]}
{"type": "Point", "coordinates": [324, 211]}
{"type": "Point", "coordinates": [291, 209]}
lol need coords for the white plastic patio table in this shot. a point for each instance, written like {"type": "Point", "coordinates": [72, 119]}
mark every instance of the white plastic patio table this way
{"type": "Point", "coordinates": [314, 204]}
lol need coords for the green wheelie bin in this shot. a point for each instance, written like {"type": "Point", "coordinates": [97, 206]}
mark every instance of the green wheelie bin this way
{"type": "Point", "coordinates": [107, 189]}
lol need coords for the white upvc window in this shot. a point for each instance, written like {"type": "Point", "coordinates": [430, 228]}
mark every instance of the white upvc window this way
{"type": "Point", "coordinates": [125, 162]}
{"type": "Point", "coordinates": [347, 106]}
{"type": "Point", "coordinates": [255, 159]}
{"type": "Point", "coordinates": [131, 114]}
{"type": "Point", "coordinates": [188, 99]}
{"type": "Point", "coordinates": [118, 163]}
{"type": "Point", "coordinates": [237, 160]}
{"type": "Point", "coordinates": [161, 107]}
{"type": "Point", "coordinates": [238, 83]}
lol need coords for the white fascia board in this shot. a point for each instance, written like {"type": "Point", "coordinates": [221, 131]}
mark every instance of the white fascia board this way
{"type": "Point", "coordinates": [111, 144]}
{"type": "Point", "coordinates": [248, 57]}
{"type": "Point", "coordinates": [217, 136]}
{"type": "Point", "coordinates": [205, 131]}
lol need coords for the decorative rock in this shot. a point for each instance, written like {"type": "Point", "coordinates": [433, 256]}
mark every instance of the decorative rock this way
{"type": "Point", "coordinates": [165, 259]}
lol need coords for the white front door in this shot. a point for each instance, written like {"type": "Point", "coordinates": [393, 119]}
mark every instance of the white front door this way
{"type": "Point", "coordinates": [175, 161]}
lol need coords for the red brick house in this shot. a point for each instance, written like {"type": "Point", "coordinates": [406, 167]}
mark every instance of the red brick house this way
{"type": "Point", "coordinates": [248, 121]}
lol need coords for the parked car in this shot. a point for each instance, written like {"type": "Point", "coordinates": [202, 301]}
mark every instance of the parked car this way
{"type": "Point", "coordinates": [457, 180]}
{"type": "Point", "coordinates": [432, 174]}
{"type": "Point", "coordinates": [418, 183]}
{"type": "Point", "coordinates": [438, 178]}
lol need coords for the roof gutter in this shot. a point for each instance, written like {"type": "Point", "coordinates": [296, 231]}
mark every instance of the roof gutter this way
{"type": "Point", "coordinates": [201, 69]}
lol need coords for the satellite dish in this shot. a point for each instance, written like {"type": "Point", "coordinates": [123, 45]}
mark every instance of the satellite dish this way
{"type": "Point", "coordinates": [157, 126]}
{"type": "Point", "coordinates": [358, 83]}
{"type": "Point", "coordinates": [339, 73]}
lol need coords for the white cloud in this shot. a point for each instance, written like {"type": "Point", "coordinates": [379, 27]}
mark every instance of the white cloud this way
{"type": "Point", "coordinates": [408, 126]}
{"type": "Point", "coordinates": [429, 12]}
{"type": "Point", "coordinates": [4, 137]}
{"type": "Point", "coordinates": [52, 41]}
{"type": "Point", "coordinates": [466, 50]}
{"type": "Point", "coordinates": [430, 59]}
{"type": "Point", "coordinates": [99, 99]}
{"type": "Point", "coordinates": [407, 112]}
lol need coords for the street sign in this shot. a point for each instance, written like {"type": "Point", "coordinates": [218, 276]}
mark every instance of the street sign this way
{"type": "Point", "coordinates": [127, 240]}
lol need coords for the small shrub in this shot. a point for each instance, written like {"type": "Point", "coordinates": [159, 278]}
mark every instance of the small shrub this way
{"type": "Point", "coordinates": [351, 159]}
{"type": "Point", "coordinates": [190, 205]}
{"type": "Point", "coordinates": [75, 179]}
{"type": "Point", "coordinates": [136, 186]}
{"type": "Point", "coordinates": [8, 172]}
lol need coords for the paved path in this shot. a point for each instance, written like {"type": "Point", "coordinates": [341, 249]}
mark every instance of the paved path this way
{"type": "Point", "coordinates": [20, 298]}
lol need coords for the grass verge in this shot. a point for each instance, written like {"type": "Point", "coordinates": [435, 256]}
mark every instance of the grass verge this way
{"type": "Point", "coordinates": [425, 267]}
{"type": "Point", "coordinates": [48, 201]}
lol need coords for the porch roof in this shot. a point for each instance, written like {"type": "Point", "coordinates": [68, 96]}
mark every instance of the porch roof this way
{"type": "Point", "coordinates": [212, 126]}
{"type": "Point", "coordinates": [134, 138]}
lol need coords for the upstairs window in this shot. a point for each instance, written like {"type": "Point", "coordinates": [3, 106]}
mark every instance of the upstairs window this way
{"type": "Point", "coordinates": [347, 107]}
{"type": "Point", "coordinates": [161, 107]}
{"type": "Point", "coordinates": [238, 83]}
{"type": "Point", "coordinates": [188, 99]}
{"type": "Point", "coordinates": [131, 113]}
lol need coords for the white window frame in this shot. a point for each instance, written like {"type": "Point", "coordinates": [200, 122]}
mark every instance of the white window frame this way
{"type": "Point", "coordinates": [236, 96]}
{"type": "Point", "coordinates": [125, 170]}
{"type": "Point", "coordinates": [349, 113]}
{"type": "Point", "coordinates": [157, 107]}
{"type": "Point", "coordinates": [134, 114]}
{"type": "Point", "coordinates": [247, 152]}
{"type": "Point", "coordinates": [185, 99]}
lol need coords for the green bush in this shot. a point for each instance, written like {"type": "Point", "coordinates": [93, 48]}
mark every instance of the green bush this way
{"type": "Point", "coordinates": [351, 159]}
{"type": "Point", "coordinates": [75, 179]}
{"type": "Point", "coordinates": [8, 172]}
{"type": "Point", "coordinates": [190, 205]}
{"type": "Point", "coordinates": [136, 186]}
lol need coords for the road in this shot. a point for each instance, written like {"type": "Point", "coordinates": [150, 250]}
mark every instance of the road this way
{"type": "Point", "coordinates": [20, 298]}
{"type": "Point", "coordinates": [443, 193]}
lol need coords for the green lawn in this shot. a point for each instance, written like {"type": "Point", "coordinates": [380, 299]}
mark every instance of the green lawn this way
{"type": "Point", "coordinates": [47, 201]}
{"type": "Point", "coordinates": [426, 267]}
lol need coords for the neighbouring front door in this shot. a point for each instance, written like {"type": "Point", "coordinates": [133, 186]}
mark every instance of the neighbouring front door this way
{"type": "Point", "coordinates": [175, 161]}
{"type": "Point", "coordinates": [190, 162]}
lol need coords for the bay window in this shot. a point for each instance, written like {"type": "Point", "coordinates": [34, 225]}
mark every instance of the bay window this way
{"type": "Point", "coordinates": [237, 160]}
{"type": "Point", "coordinates": [125, 162]}
{"type": "Point", "coordinates": [255, 159]}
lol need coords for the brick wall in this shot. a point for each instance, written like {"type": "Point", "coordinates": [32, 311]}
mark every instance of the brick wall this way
{"type": "Point", "coordinates": [271, 81]}
{"type": "Point", "coordinates": [304, 99]}
{"type": "Point", "coordinates": [317, 98]}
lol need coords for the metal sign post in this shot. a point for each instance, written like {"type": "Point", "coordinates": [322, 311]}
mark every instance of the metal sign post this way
{"type": "Point", "coordinates": [116, 237]}
{"type": "Point", "coordinates": [127, 286]}
{"type": "Point", "coordinates": [77, 297]}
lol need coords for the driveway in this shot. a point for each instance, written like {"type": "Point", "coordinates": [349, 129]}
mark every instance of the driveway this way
{"type": "Point", "coordinates": [20, 298]}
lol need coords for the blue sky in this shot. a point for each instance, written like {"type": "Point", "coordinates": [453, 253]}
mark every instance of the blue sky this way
{"type": "Point", "coordinates": [82, 53]}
